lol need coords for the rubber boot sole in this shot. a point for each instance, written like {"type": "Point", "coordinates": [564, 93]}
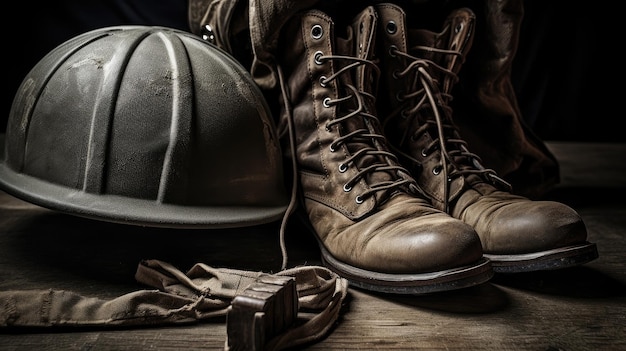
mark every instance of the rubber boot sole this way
{"type": "Point", "coordinates": [411, 283]}
{"type": "Point", "coordinates": [545, 260]}
{"type": "Point", "coordinates": [399, 283]}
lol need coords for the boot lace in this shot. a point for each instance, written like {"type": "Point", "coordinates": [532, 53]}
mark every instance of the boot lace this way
{"type": "Point", "coordinates": [431, 95]}
{"type": "Point", "coordinates": [372, 143]}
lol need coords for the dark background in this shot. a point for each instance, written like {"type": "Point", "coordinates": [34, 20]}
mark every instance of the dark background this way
{"type": "Point", "coordinates": [567, 71]}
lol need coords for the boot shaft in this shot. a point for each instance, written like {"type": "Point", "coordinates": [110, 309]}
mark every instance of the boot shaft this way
{"type": "Point", "coordinates": [329, 100]}
{"type": "Point", "coordinates": [410, 53]}
{"type": "Point", "coordinates": [419, 70]}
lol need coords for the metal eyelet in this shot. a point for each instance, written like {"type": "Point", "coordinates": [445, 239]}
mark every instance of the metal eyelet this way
{"type": "Point", "coordinates": [437, 170]}
{"type": "Point", "coordinates": [326, 102]}
{"type": "Point", "coordinates": [343, 168]}
{"type": "Point", "coordinates": [358, 199]}
{"type": "Point", "coordinates": [391, 27]}
{"type": "Point", "coordinates": [323, 81]}
{"type": "Point", "coordinates": [347, 188]}
{"type": "Point", "coordinates": [317, 31]}
{"type": "Point", "coordinates": [392, 50]}
{"type": "Point", "coordinates": [317, 56]}
{"type": "Point", "coordinates": [400, 96]}
{"type": "Point", "coordinates": [424, 153]}
{"type": "Point", "coordinates": [404, 114]}
{"type": "Point", "coordinates": [331, 148]}
{"type": "Point", "coordinates": [208, 34]}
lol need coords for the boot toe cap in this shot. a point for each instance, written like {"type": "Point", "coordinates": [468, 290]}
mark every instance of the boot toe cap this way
{"type": "Point", "coordinates": [424, 245]}
{"type": "Point", "coordinates": [529, 226]}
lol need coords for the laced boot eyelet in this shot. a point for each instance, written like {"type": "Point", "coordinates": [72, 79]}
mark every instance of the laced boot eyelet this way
{"type": "Point", "coordinates": [326, 102]}
{"type": "Point", "coordinates": [392, 50]}
{"type": "Point", "coordinates": [358, 199]}
{"type": "Point", "coordinates": [323, 81]}
{"type": "Point", "coordinates": [317, 31]}
{"type": "Point", "coordinates": [424, 151]}
{"type": "Point", "coordinates": [347, 188]}
{"type": "Point", "coordinates": [404, 114]}
{"type": "Point", "coordinates": [343, 168]}
{"type": "Point", "coordinates": [317, 56]}
{"type": "Point", "coordinates": [437, 170]}
{"type": "Point", "coordinates": [400, 96]}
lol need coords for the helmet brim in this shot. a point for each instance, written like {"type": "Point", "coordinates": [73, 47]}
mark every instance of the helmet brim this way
{"type": "Point", "coordinates": [119, 209]}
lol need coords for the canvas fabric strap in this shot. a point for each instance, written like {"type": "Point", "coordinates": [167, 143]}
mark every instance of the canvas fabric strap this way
{"type": "Point", "coordinates": [200, 294]}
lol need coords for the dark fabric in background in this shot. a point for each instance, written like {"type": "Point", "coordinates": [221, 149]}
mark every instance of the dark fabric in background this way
{"type": "Point", "coordinates": [567, 71]}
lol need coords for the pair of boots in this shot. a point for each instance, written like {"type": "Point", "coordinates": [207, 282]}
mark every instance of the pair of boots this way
{"type": "Point", "coordinates": [396, 200]}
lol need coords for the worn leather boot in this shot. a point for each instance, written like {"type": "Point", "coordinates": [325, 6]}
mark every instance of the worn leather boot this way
{"type": "Point", "coordinates": [419, 69]}
{"type": "Point", "coordinates": [487, 112]}
{"type": "Point", "coordinates": [373, 226]}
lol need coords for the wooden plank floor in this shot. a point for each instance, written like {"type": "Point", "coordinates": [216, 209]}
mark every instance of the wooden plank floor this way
{"type": "Point", "coordinates": [582, 308]}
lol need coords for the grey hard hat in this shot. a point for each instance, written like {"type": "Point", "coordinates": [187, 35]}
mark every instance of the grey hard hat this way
{"type": "Point", "coordinates": [144, 125]}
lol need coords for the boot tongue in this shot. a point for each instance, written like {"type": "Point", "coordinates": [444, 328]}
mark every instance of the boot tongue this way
{"type": "Point", "coordinates": [461, 30]}
{"type": "Point", "coordinates": [443, 54]}
{"type": "Point", "coordinates": [359, 42]}
{"type": "Point", "coordinates": [439, 47]}
{"type": "Point", "coordinates": [457, 35]}
{"type": "Point", "coordinates": [364, 29]}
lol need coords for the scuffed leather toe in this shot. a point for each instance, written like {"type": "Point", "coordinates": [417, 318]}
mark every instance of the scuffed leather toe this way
{"type": "Point", "coordinates": [509, 224]}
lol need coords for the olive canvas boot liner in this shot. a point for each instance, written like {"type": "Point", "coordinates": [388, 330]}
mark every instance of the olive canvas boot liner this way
{"type": "Point", "coordinates": [372, 225]}
{"type": "Point", "coordinates": [419, 69]}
